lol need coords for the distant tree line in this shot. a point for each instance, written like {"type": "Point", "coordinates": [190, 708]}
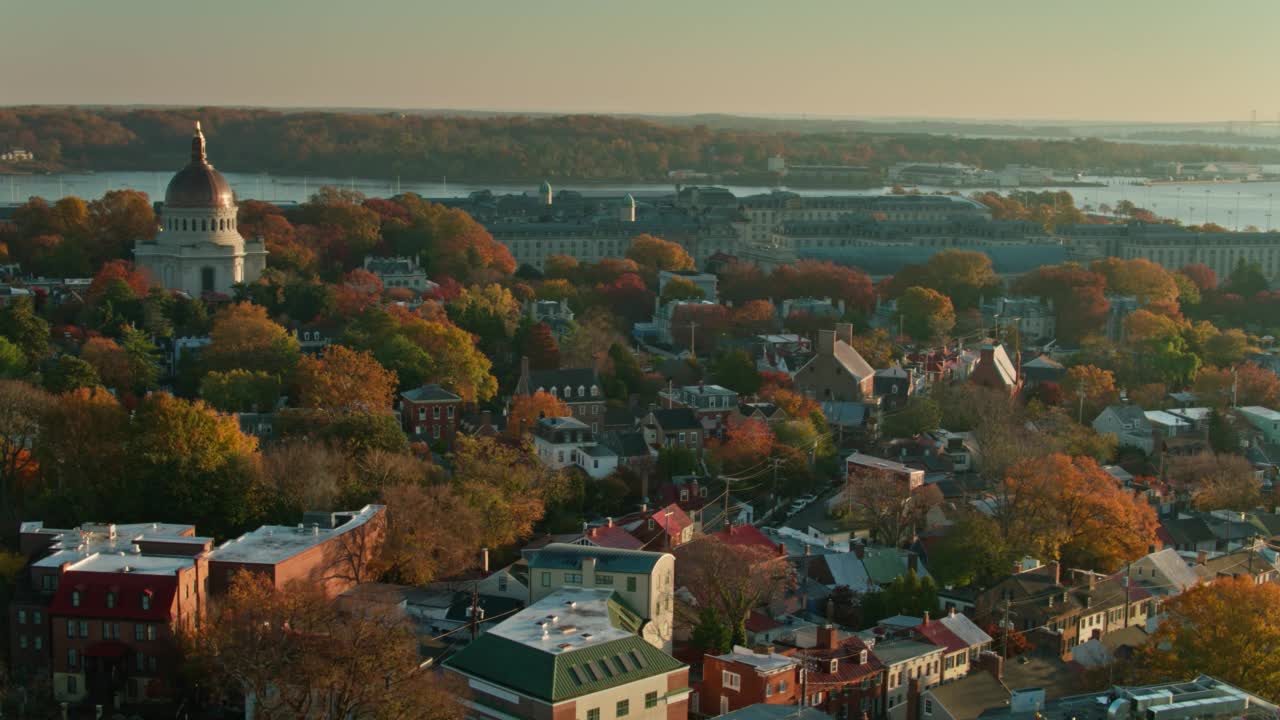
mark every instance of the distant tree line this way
{"type": "Point", "coordinates": [515, 147]}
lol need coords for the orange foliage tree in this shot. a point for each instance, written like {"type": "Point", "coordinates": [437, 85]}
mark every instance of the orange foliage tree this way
{"type": "Point", "coordinates": [1072, 510]}
{"type": "Point", "coordinates": [244, 337]}
{"type": "Point", "coordinates": [345, 379]}
{"type": "Point", "coordinates": [745, 444]}
{"type": "Point", "coordinates": [653, 254]}
{"type": "Point", "coordinates": [1229, 629]}
{"type": "Point", "coordinates": [527, 409]}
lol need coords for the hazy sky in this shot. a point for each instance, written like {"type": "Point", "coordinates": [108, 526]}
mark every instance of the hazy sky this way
{"type": "Point", "coordinates": [1163, 60]}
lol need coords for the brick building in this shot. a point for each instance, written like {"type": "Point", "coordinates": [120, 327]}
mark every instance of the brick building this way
{"type": "Point", "coordinates": [97, 605]}
{"type": "Point", "coordinates": [579, 388]}
{"type": "Point", "coordinates": [745, 677]}
{"type": "Point", "coordinates": [329, 550]}
{"type": "Point", "coordinates": [844, 679]}
{"type": "Point", "coordinates": [430, 413]}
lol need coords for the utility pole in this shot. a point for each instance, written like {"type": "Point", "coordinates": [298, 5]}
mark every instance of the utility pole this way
{"type": "Point", "coordinates": [693, 347]}
{"type": "Point", "coordinates": [1080, 414]}
{"type": "Point", "coordinates": [1005, 628]}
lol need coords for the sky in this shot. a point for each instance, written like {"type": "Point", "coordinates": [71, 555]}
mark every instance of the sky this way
{"type": "Point", "coordinates": [1146, 60]}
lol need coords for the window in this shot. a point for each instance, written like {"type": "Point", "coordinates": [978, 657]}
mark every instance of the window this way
{"type": "Point", "coordinates": [22, 641]}
{"type": "Point", "coordinates": [730, 680]}
{"type": "Point", "coordinates": [72, 658]}
{"type": "Point", "coordinates": [110, 631]}
{"type": "Point", "coordinates": [84, 628]}
{"type": "Point", "coordinates": [768, 689]}
{"type": "Point", "coordinates": [422, 413]}
{"type": "Point", "coordinates": [111, 599]}
{"type": "Point", "coordinates": [835, 665]}
{"type": "Point", "coordinates": [546, 579]}
{"type": "Point", "coordinates": [651, 700]}
{"type": "Point", "coordinates": [624, 708]}
{"type": "Point", "coordinates": [75, 598]}
{"type": "Point", "coordinates": [604, 579]}
{"type": "Point", "coordinates": [928, 706]}
{"type": "Point", "coordinates": [138, 632]}
{"type": "Point", "coordinates": [435, 431]}
{"type": "Point", "coordinates": [39, 643]}
{"type": "Point", "coordinates": [573, 578]}
{"type": "Point", "coordinates": [71, 629]}
{"type": "Point", "coordinates": [146, 601]}
{"type": "Point", "coordinates": [151, 663]}
{"type": "Point", "coordinates": [49, 582]}
{"type": "Point", "coordinates": [22, 617]}
{"type": "Point", "coordinates": [71, 685]}
{"type": "Point", "coordinates": [435, 413]}
{"type": "Point", "coordinates": [593, 714]}
{"type": "Point", "coordinates": [631, 584]}
{"type": "Point", "coordinates": [449, 413]}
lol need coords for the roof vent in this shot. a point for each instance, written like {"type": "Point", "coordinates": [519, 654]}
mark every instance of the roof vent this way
{"type": "Point", "coordinates": [571, 603]}
{"type": "Point", "coordinates": [564, 646]}
{"type": "Point", "coordinates": [135, 549]}
{"type": "Point", "coordinates": [586, 636]}
{"type": "Point", "coordinates": [301, 529]}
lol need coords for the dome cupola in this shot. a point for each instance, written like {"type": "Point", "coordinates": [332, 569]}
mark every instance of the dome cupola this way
{"type": "Point", "coordinates": [198, 185]}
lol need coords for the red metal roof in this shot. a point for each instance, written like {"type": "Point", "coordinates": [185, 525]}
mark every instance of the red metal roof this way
{"type": "Point", "coordinates": [614, 537]}
{"type": "Point", "coordinates": [746, 535]}
{"type": "Point", "coordinates": [129, 589]}
{"type": "Point", "coordinates": [938, 634]}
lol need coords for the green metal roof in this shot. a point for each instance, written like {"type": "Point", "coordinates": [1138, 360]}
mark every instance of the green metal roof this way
{"type": "Point", "coordinates": [555, 677]}
{"type": "Point", "coordinates": [883, 565]}
{"type": "Point", "coordinates": [562, 556]}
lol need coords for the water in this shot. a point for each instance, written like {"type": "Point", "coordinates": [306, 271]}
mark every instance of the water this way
{"type": "Point", "coordinates": [1231, 205]}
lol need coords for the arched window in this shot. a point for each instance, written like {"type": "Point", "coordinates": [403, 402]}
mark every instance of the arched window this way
{"type": "Point", "coordinates": [222, 225]}
{"type": "Point", "coordinates": [582, 391]}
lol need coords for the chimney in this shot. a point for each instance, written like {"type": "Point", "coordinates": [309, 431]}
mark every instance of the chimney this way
{"type": "Point", "coordinates": [1201, 557]}
{"type": "Point", "coordinates": [844, 331]}
{"type": "Point", "coordinates": [484, 560]}
{"type": "Point", "coordinates": [926, 618]}
{"type": "Point", "coordinates": [524, 371]}
{"type": "Point", "coordinates": [828, 638]}
{"type": "Point", "coordinates": [951, 611]}
{"type": "Point", "coordinates": [827, 342]}
{"type": "Point", "coordinates": [1057, 573]}
{"type": "Point", "coordinates": [608, 522]}
{"type": "Point", "coordinates": [1093, 580]}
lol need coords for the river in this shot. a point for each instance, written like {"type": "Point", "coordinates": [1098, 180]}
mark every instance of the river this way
{"type": "Point", "coordinates": [1231, 205]}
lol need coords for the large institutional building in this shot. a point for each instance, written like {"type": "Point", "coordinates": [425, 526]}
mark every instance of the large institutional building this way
{"type": "Point", "coordinates": [198, 249]}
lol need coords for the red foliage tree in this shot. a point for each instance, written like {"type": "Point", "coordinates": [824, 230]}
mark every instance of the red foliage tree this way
{"type": "Point", "coordinates": [1078, 295]}
{"type": "Point", "coordinates": [541, 348]}
{"type": "Point", "coordinates": [1202, 275]}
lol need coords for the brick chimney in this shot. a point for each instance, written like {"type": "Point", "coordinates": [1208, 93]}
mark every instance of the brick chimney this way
{"type": "Point", "coordinates": [827, 342]}
{"type": "Point", "coordinates": [828, 638]}
{"type": "Point", "coordinates": [926, 618]}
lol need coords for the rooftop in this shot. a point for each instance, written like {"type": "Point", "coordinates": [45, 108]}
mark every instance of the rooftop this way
{"type": "Point", "coordinates": [763, 711]}
{"type": "Point", "coordinates": [1262, 412]}
{"type": "Point", "coordinates": [870, 461]}
{"type": "Point", "coordinates": [563, 556]}
{"type": "Point", "coordinates": [892, 652]}
{"type": "Point", "coordinates": [271, 544]}
{"type": "Point", "coordinates": [136, 563]}
{"type": "Point", "coordinates": [764, 662]}
{"type": "Point", "coordinates": [73, 544]}
{"type": "Point", "coordinates": [968, 697]}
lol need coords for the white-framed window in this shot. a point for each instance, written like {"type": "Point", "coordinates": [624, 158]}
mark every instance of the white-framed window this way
{"type": "Point", "coordinates": [435, 413]}
{"type": "Point", "coordinates": [75, 598]}
{"type": "Point", "coordinates": [730, 680]}
{"type": "Point", "coordinates": [435, 431]}
{"type": "Point", "coordinates": [449, 413]}
{"type": "Point", "coordinates": [146, 601]}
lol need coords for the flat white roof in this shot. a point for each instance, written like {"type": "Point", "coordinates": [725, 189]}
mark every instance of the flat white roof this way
{"type": "Point", "coordinates": [138, 564]}
{"type": "Point", "coordinates": [566, 620]}
{"type": "Point", "coordinates": [879, 463]}
{"type": "Point", "coordinates": [1262, 412]}
{"type": "Point", "coordinates": [74, 544]}
{"type": "Point", "coordinates": [271, 544]}
{"type": "Point", "coordinates": [1161, 417]}
{"type": "Point", "coordinates": [768, 662]}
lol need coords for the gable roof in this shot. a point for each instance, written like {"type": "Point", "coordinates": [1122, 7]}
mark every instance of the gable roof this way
{"type": "Point", "coordinates": [553, 672]}
{"type": "Point", "coordinates": [1188, 531]}
{"type": "Point", "coordinates": [1175, 570]}
{"type": "Point", "coordinates": [676, 419]}
{"type": "Point", "coordinates": [1001, 366]}
{"type": "Point", "coordinates": [965, 629]}
{"type": "Point", "coordinates": [565, 377]}
{"type": "Point", "coordinates": [430, 393]}
{"type": "Point", "coordinates": [852, 361]}
{"type": "Point", "coordinates": [938, 634]}
{"type": "Point", "coordinates": [746, 535]}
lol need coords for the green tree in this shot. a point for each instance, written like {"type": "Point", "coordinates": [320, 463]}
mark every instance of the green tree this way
{"type": "Point", "coordinates": [1223, 438]}
{"type": "Point", "coordinates": [143, 356]}
{"type": "Point", "coordinates": [193, 462]}
{"type": "Point", "coordinates": [711, 635]}
{"type": "Point", "coordinates": [21, 326]}
{"type": "Point", "coordinates": [12, 362]}
{"type": "Point", "coordinates": [235, 391]}
{"type": "Point", "coordinates": [920, 414]}
{"type": "Point", "coordinates": [679, 288]}
{"type": "Point", "coordinates": [972, 552]}
{"type": "Point", "coordinates": [908, 594]}
{"type": "Point", "coordinates": [1247, 279]}
{"type": "Point", "coordinates": [737, 371]}
{"type": "Point", "coordinates": [69, 372]}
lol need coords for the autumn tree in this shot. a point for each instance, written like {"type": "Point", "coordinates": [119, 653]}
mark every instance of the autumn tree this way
{"type": "Point", "coordinates": [1229, 629]}
{"type": "Point", "coordinates": [919, 415]}
{"type": "Point", "coordinates": [628, 297]}
{"type": "Point", "coordinates": [22, 408]}
{"type": "Point", "coordinates": [746, 443]}
{"type": "Point", "coordinates": [507, 485]}
{"type": "Point", "coordinates": [823, 279]}
{"type": "Point", "coordinates": [119, 219]}
{"type": "Point", "coordinates": [1216, 481]}
{"type": "Point", "coordinates": [297, 654]}
{"type": "Point", "coordinates": [451, 243]}
{"type": "Point", "coordinates": [1205, 279]}
{"type": "Point", "coordinates": [526, 410]}
{"type": "Point", "coordinates": [653, 254]}
{"type": "Point", "coordinates": [345, 379]}
{"type": "Point", "coordinates": [973, 551]}
{"type": "Point", "coordinates": [244, 337]}
{"type": "Point", "coordinates": [1072, 510]}
{"type": "Point", "coordinates": [82, 453]}
{"type": "Point", "coordinates": [892, 508]}
{"type": "Point", "coordinates": [1089, 388]}
{"type": "Point", "coordinates": [1139, 277]}
{"type": "Point", "coordinates": [541, 348]}
{"type": "Point", "coordinates": [1226, 348]}
{"type": "Point", "coordinates": [962, 275]}
{"type": "Point", "coordinates": [733, 579]}
{"type": "Point", "coordinates": [588, 341]}
{"type": "Point", "coordinates": [109, 360]}
{"type": "Point", "coordinates": [20, 325]}
{"type": "Point", "coordinates": [876, 347]}
{"type": "Point", "coordinates": [926, 315]}
{"type": "Point", "coordinates": [421, 350]}
{"type": "Point", "coordinates": [1078, 295]}
{"type": "Point", "coordinates": [431, 533]}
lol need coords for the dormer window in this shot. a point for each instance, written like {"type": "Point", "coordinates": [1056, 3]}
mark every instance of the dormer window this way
{"type": "Point", "coordinates": [835, 665]}
{"type": "Point", "coordinates": [595, 391]}
{"type": "Point", "coordinates": [582, 391]}
{"type": "Point", "coordinates": [862, 658]}
{"type": "Point", "coordinates": [111, 600]}
{"type": "Point", "coordinates": [146, 601]}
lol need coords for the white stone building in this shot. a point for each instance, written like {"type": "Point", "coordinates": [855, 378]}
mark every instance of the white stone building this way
{"type": "Point", "coordinates": [198, 249]}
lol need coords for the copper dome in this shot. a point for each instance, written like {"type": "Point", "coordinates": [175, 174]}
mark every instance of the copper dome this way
{"type": "Point", "coordinates": [198, 185]}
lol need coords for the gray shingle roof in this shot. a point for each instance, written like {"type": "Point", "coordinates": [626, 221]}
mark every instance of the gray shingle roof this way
{"type": "Point", "coordinates": [562, 556]}
{"type": "Point", "coordinates": [430, 393]}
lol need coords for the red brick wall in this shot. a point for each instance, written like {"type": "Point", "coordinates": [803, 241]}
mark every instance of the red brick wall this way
{"type": "Point", "coordinates": [752, 686]}
{"type": "Point", "coordinates": [421, 428]}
